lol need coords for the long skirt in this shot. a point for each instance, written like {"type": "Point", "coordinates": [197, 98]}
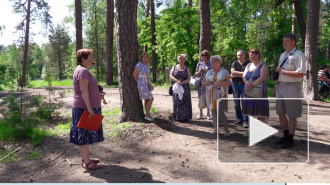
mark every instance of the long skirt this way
{"type": "Point", "coordinates": [81, 136]}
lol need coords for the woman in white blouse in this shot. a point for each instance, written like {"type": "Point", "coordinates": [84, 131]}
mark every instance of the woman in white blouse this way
{"type": "Point", "coordinates": [217, 81]}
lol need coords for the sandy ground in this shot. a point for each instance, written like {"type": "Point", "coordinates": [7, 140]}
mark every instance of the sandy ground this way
{"type": "Point", "coordinates": [174, 152]}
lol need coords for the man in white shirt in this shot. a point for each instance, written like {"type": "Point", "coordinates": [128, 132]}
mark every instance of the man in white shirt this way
{"type": "Point", "coordinates": [289, 86]}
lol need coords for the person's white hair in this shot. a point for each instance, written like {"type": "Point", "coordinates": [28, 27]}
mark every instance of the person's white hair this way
{"type": "Point", "coordinates": [182, 55]}
{"type": "Point", "coordinates": [216, 58]}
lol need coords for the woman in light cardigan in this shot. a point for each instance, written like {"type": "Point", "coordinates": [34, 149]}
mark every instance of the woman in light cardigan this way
{"type": "Point", "coordinates": [216, 82]}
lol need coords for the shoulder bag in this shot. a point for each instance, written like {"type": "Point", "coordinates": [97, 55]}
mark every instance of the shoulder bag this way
{"type": "Point", "coordinates": [194, 81]}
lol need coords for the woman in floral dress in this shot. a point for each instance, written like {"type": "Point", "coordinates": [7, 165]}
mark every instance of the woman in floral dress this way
{"type": "Point", "coordinates": [141, 76]}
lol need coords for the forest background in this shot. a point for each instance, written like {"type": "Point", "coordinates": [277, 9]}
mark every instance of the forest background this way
{"type": "Point", "coordinates": [118, 31]}
{"type": "Point", "coordinates": [235, 25]}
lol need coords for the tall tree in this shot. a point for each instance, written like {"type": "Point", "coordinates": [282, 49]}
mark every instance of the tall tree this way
{"type": "Point", "coordinates": [31, 10]}
{"type": "Point", "coordinates": [146, 22]}
{"type": "Point", "coordinates": [109, 42]}
{"type": "Point", "coordinates": [131, 108]}
{"type": "Point", "coordinates": [59, 41]}
{"type": "Point", "coordinates": [205, 26]}
{"type": "Point", "coordinates": [26, 44]}
{"type": "Point", "coordinates": [301, 20]}
{"type": "Point", "coordinates": [312, 30]}
{"type": "Point", "coordinates": [78, 15]}
{"type": "Point", "coordinates": [153, 42]}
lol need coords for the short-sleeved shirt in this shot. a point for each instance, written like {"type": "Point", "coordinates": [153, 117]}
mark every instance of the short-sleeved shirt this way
{"type": "Point", "coordinates": [295, 62]}
{"type": "Point", "coordinates": [94, 93]}
{"type": "Point", "coordinates": [239, 67]}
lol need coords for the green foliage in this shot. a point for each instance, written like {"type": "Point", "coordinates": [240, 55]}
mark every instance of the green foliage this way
{"type": "Point", "coordinates": [270, 86]}
{"type": "Point", "coordinates": [12, 127]}
{"type": "Point", "coordinates": [58, 53]}
{"type": "Point", "coordinates": [11, 114]}
{"type": "Point", "coordinates": [177, 32]}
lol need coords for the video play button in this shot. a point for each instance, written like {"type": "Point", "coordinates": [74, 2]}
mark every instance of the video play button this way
{"type": "Point", "coordinates": [259, 131]}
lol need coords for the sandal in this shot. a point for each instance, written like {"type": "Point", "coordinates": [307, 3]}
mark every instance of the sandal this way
{"type": "Point", "coordinates": [95, 160]}
{"type": "Point", "coordinates": [93, 167]}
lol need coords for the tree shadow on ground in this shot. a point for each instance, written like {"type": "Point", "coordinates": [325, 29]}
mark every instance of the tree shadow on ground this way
{"type": "Point", "coordinates": [120, 174]}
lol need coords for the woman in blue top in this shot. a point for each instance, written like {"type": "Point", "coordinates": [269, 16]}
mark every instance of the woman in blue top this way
{"type": "Point", "coordinates": [141, 76]}
{"type": "Point", "coordinates": [256, 108]}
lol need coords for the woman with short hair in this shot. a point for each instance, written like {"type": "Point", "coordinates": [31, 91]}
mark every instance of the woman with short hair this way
{"type": "Point", "coordinates": [86, 97]}
{"type": "Point", "coordinates": [217, 80]}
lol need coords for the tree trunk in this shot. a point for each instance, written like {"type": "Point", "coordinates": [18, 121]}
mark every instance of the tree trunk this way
{"type": "Point", "coordinates": [310, 88]}
{"type": "Point", "coordinates": [59, 58]}
{"type": "Point", "coordinates": [109, 40]}
{"type": "Point", "coordinates": [293, 29]}
{"type": "Point", "coordinates": [190, 3]}
{"type": "Point", "coordinates": [96, 43]}
{"type": "Point", "coordinates": [153, 41]}
{"type": "Point", "coordinates": [78, 11]}
{"type": "Point", "coordinates": [131, 108]}
{"type": "Point", "coordinates": [26, 45]}
{"type": "Point", "coordinates": [205, 26]}
{"type": "Point", "coordinates": [301, 20]}
{"type": "Point", "coordinates": [146, 24]}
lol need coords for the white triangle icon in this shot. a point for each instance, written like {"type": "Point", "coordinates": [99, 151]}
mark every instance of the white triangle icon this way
{"type": "Point", "coordinates": [259, 131]}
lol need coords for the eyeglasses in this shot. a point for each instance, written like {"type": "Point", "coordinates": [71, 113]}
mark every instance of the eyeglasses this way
{"type": "Point", "coordinates": [204, 55]}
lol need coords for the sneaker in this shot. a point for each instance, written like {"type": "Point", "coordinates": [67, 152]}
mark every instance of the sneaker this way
{"type": "Point", "coordinates": [213, 132]}
{"type": "Point", "coordinates": [281, 141]}
{"type": "Point", "coordinates": [245, 124]}
{"type": "Point", "coordinates": [287, 144]}
{"type": "Point", "coordinates": [227, 134]}
{"type": "Point", "coordinates": [209, 117]}
{"type": "Point", "coordinates": [238, 121]}
{"type": "Point", "coordinates": [148, 118]}
{"type": "Point", "coordinates": [200, 117]}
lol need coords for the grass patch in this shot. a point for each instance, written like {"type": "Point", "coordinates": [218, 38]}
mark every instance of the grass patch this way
{"type": "Point", "coordinates": [43, 83]}
{"type": "Point", "coordinates": [9, 159]}
{"type": "Point", "coordinates": [116, 129]}
{"type": "Point", "coordinates": [111, 112]}
{"type": "Point", "coordinates": [119, 129]}
{"type": "Point", "coordinates": [33, 155]}
{"type": "Point", "coordinates": [62, 128]}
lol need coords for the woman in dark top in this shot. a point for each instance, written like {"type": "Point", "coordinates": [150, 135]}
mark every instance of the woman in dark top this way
{"type": "Point", "coordinates": [180, 74]}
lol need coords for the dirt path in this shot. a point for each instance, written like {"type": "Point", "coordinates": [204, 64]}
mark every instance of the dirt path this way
{"type": "Point", "coordinates": [173, 152]}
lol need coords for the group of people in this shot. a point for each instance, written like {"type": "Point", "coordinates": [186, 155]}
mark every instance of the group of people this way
{"type": "Point", "coordinates": [216, 80]}
{"type": "Point", "coordinates": [245, 75]}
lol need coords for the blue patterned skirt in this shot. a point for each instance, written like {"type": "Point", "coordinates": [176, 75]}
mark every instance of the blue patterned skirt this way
{"type": "Point", "coordinates": [81, 136]}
